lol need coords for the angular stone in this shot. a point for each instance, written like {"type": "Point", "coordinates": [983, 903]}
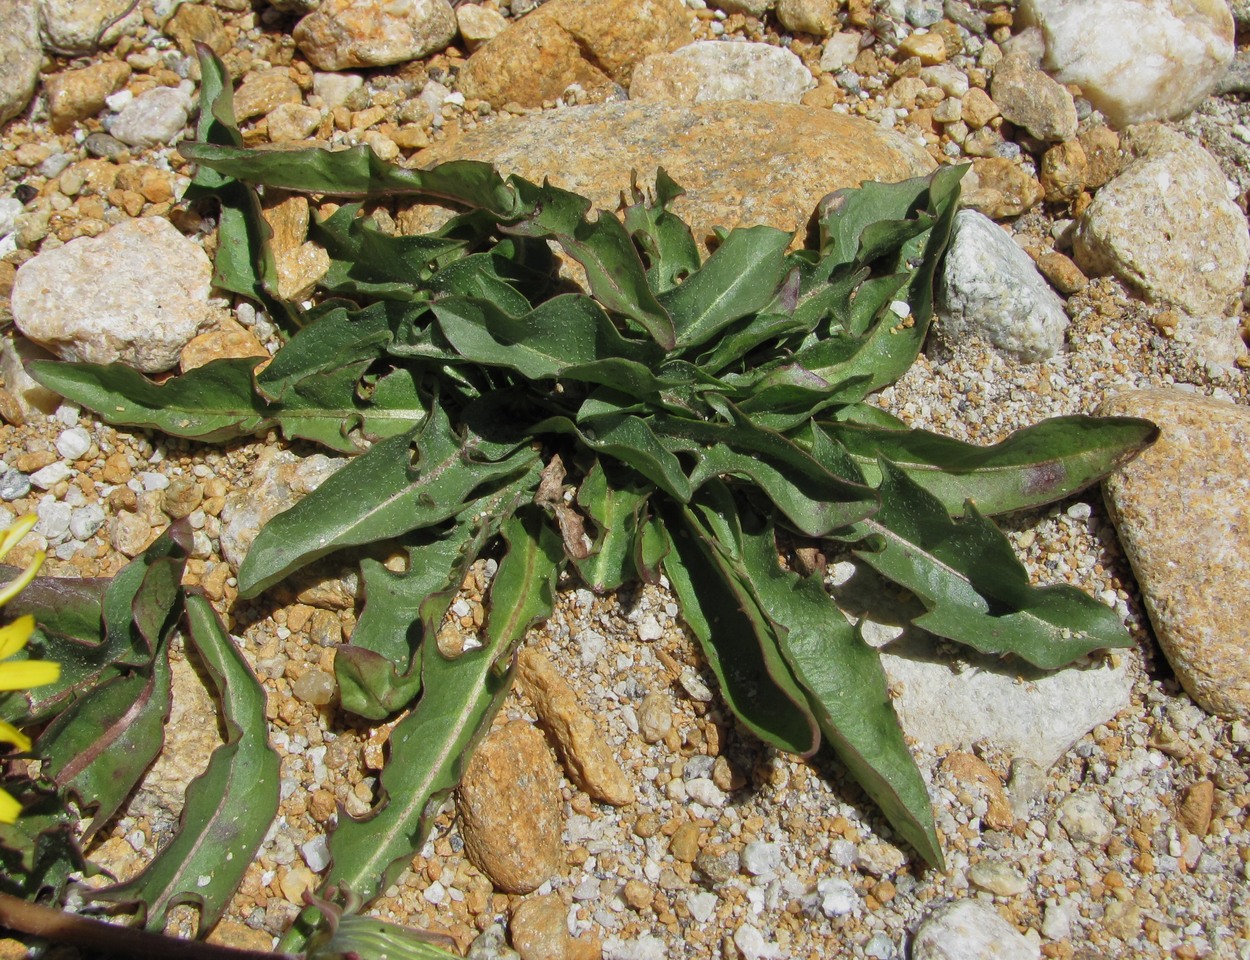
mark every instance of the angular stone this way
{"type": "Point", "coordinates": [588, 760]}
{"type": "Point", "coordinates": [136, 294]}
{"type": "Point", "coordinates": [817, 17]}
{"type": "Point", "coordinates": [1165, 225]}
{"type": "Point", "coordinates": [1136, 60]}
{"type": "Point", "coordinates": [1025, 712]}
{"type": "Point", "coordinates": [74, 26]}
{"type": "Point", "coordinates": [969, 930]}
{"type": "Point", "coordinates": [990, 288]}
{"type": "Point", "coordinates": [593, 43]}
{"type": "Point", "coordinates": [741, 163]}
{"type": "Point", "coordinates": [230, 339]}
{"type": "Point", "coordinates": [291, 121]}
{"type": "Point", "coordinates": [540, 931]}
{"type": "Point", "coordinates": [1182, 510]}
{"type": "Point", "coordinates": [264, 90]}
{"type": "Point", "coordinates": [1032, 100]}
{"type": "Point", "coordinates": [508, 804]}
{"type": "Point", "coordinates": [194, 23]}
{"type": "Point", "coordinates": [300, 264]}
{"type": "Point", "coordinates": [342, 34]}
{"type": "Point", "coordinates": [712, 70]}
{"type": "Point", "coordinates": [155, 117]}
{"type": "Point", "coordinates": [75, 95]}
{"type": "Point", "coordinates": [19, 56]}
{"type": "Point", "coordinates": [999, 188]}
{"type": "Point", "coordinates": [1063, 171]}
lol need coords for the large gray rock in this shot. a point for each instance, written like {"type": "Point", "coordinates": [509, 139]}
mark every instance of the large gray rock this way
{"type": "Point", "coordinates": [991, 289]}
{"type": "Point", "coordinates": [1166, 226]}
{"type": "Point", "coordinates": [1182, 510]}
{"type": "Point", "coordinates": [79, 26]}
{"type": "Point", "coordinates": [1136, 60]}
{"type": "Point", "coordinates": [741, 163]}
{"type": "Point", "coordinates": [712, 70]}
{"type": "Point", "coordinates": [342, 34]}
{"type": "Point", "coordinates": [969, 930]}
{"type": "Point", "coordinates": [19, 56]}
{"type": "Point", "coordinates": [135, 294]}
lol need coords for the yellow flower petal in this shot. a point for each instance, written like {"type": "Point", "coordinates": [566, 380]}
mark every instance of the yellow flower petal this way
{"type": "Point", "coordinates": [23, 674]}
{"type": "Point", "coordinates": [10, 734]}
{"type": "Point", "coordinates": [10, 536]}
{"type": "Point", "coordinates": [14, 587]}
{"type": "Point", "coordinates": [13, 636]}
{"type": "Point", "coordinates": [10, 809]}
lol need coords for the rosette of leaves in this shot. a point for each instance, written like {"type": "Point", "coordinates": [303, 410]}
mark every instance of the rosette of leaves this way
{"type": "Point", "coordinates": [669, 421]}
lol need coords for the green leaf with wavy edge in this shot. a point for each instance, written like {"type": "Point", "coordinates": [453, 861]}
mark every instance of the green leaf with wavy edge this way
{"type": "Point", "coordinates": [736, 637]}
{"type": "Point", "coordinates": [846, 686]}
{"type": "Point", "coordinates": [428, 748]}
{"type": "Point", "coordinates": [663, 237]}
{"type": "Point", "coordinates": [1036, 465]}
{"type": "Point", "coordinates": [616, 509]}
{"type": "Point", "coordinates": [228, 808]}
{"type": "Point", "coordinates": [358, 172]}
{"type": "Point", "coordinates": [975, 589]}
{"type": "Point", "coordinates": [402, 483]}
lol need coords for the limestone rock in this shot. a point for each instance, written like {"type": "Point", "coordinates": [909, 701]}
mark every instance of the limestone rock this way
{"type": "Point", "coordinates": [1188, 496]}
{"type": "Point", "coordinates": [741, 163]}
{"type": "Point", "coordinates": [969, 930]}
{"type": "Point", "coordinates": [342, 34]}
{"type": "Point", "coordinates": [75, 95]}
{"type": "Point", "coordinates": [1165, 225]}
{"type": "Point", "coordinates": [999, 188]}
{"type": "Point", "coordinates": [194, 23]}
{"type": "Point", "coordinates": [1026, 712]}
{"type": "Point", "coordinates": [1136, 60]}
{"type": "Point", "coordinates": [817, 17]}
{"type": "Point", "coordinates": [300, 263]}
{"type": "Point", "coordinates": [593, 43]}
{"type": "Point", "coordinates": [712, 70]}
{"type": "Point", "coordinates": [32, 398]}
{"type": "Point", "coordinates": [264, 90]}
{"type": "Point", "coordinates": [588, 760]}
{"type": "Point", "coordinates": [136, 294]}
{"type": "Point", "coordinates": [508, 805]}
{"type": "Point", "coordinates": [1030, 99]}
{"type": "Point", "coordinates": [477, 24]}
{"type": "Point", "coordinates": [229, 339]}
{"type": "Point", "coordinates": [990, 288]}
{"type": "Point", "coordinates": [19, 56]}
{"type": "Point", "coordinates": [73, 26]}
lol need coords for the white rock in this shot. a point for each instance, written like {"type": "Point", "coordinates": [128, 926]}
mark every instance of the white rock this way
{"type": "Point", "coordinates": [760, 858]}
{"type": "Point", "coordinates": [701, 905]}
{"type": "Point", "coordinates": [73, 443]}
{"type": "Point", "coordinates": [10, 207]}
{"type": "Point", "coordinates": [54, 518]}
{"type": "Point", "coordinates": [840, 51]}
{"type": "Point", "coordinates": [752, 945]}
{"type": "Point", "coordinates": [837, 897]}
{"type": "Point", "coordinates": [704, 791]}
{"type": "Point", "coordinates": [646, 947]}
{"type": "Point", "coordinates": [86, 521]}
{"type": "Point", "coordinates": [715, 70]}
{"type": "Point", "coordinates": [154, 117]}
{"type": "Point", "coordinates": [990, 288]}
{"type": "Point", "coordinates": [1058, 919]}
{"type": "Point", "coordinates": [1166, 226]}
{"type": "Point", "coordinates": [968, 930]}
{"type": "Point", "coordinates": [33, 399]}
{"type": "Point", "coordinates": [334, 88]}
{"type": "Point", "coordinates": [1025, 712]}
{"type": "Point", "coordinates": [1085, 820]}
{"type": "Point", "coordinates": [1136, 60]}
{"type": "Point", "coordinates": [51, 475]}
{"type": "Point", "coordinates": [136, 294]}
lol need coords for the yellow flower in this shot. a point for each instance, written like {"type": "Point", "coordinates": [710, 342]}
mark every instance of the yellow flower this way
{"type": "Point", "coordinates": [21, 674]}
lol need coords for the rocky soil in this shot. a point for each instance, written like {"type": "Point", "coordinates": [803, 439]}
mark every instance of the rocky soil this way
{"type": "Point", "coordinates": [1100, 265]}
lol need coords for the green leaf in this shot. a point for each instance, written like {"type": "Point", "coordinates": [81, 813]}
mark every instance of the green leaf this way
{"type": "Point", "coordinates": [615, 508]}
{"type": "Point", "coordinates": [663, 238]}
{"type": "Point", "coordinates": [402, 483]}
{"type": "Point", "coordinates": [229, 807]}
{"type": "Point", "coordinates": [737, 639]}
{"type": "Point", "coordinates": [846, 686]}
{"type": "Point", "coordinates": [603, 248]}
{"type": "Point", "coordinates": [973, 586]}
{"type": "Point", "coordinates": [739, 279]}
{"type": "Point", "coordinates": [357, 172]}
{"type": "Point", "coordinates": [1034, 466]}
{"type": "Point", "coordinates": [39, 854]}
{"type": "Point", "coordinates": [428, 748]}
